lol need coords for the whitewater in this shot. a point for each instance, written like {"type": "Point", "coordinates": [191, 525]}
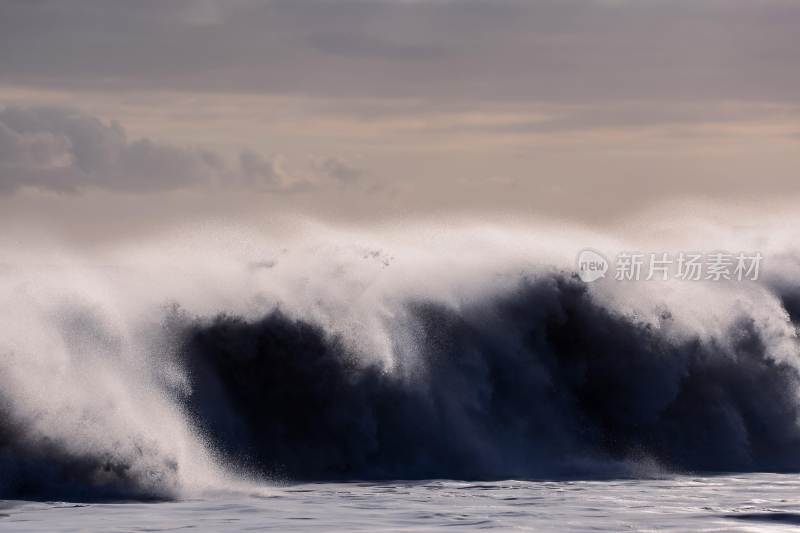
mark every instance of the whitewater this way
{"type": "Point", "coordinates": [399, 377]}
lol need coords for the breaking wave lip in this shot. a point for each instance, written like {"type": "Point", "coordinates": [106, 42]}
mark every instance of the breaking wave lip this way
{"type": "Point", "coordinates": [470, 373]}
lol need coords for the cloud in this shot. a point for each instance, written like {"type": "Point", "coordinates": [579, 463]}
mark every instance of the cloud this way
{"type": "Point", "coordinates": [634, 115]}
{"type": "Point", "coordinates": [353, 45]}
{"type": "Point", "coordinates": [259, 171]}
{"type": "Point", "coordinates": [66, 150]}
{"type": "Point", "coordinates": [339, 170]}
{"type": "Point", "coordinates": [473, 51]}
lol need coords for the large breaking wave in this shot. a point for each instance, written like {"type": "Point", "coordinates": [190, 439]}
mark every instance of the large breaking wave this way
{"type": "Point", "coordinates": [539, 382]}
{"type": "Point", "coordinates": [162, 369]}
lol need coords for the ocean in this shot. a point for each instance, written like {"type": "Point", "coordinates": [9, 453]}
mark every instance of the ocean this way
{"type": "Point", "coordinates": [757, 502]}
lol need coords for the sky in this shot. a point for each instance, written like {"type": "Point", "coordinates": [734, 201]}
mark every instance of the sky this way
{"type": "Point", "coordinates": [139, 114]}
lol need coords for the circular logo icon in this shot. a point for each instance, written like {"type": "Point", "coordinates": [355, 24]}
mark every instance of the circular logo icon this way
{"type": "Point", "coordinates": [592, 265]}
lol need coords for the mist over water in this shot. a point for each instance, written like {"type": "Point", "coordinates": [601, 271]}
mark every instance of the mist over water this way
{"type": "Point", "coordinates": [218, 357]}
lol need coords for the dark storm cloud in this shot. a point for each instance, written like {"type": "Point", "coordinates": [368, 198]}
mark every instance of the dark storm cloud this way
{"type": "Point", "coordinates": [562, 50]}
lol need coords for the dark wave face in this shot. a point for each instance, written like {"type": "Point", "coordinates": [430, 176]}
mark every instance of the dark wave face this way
{"type": "Point", "coordinates": [537, 383]}
{"type": "Point", "coordinates": [44, 469]}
